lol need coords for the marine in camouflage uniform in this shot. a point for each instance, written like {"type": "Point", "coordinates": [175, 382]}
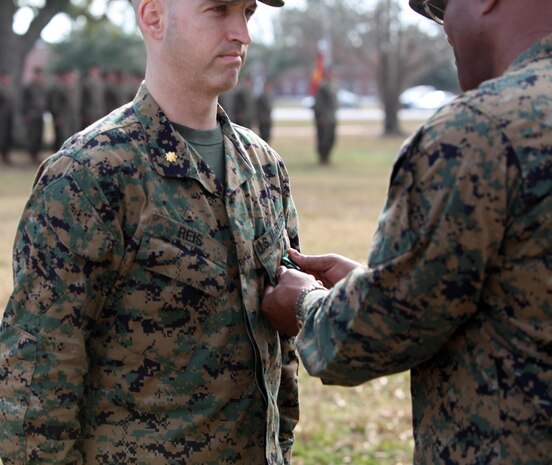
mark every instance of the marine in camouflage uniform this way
{"type": "Point", "coordinates": [93, 96]}
{"type": "Point", "coordinates": [458, 284]}
{"type": "Point", "coordinates": [263, 106]}
{"type": "Point", "coordinates": [113, 90]}
{"type": "Point", "coordinates": [325, 116]}
{"type": "Point", "coordinates": [34, 107]}
{"type": "Point", "coordinates": [6, 115]}
{"type": "Point", "coordinates": [243, 112]}
{"type": "Point", "coordinates": [64, 105]}
{"type": "Point", "coordinates": [134, 333]}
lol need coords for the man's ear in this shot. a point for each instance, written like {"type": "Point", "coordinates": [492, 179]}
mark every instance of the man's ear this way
{"type": "Point", "coordinates": [150, 14]}
{"type": "Point", "coordinates": [488, 5]}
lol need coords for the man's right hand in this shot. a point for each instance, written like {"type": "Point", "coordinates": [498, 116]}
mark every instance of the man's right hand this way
{"type": "Point", "coordinates": [329, 268]}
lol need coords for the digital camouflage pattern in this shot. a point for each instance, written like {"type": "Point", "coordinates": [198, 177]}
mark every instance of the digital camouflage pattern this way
{"type": "Point", "coordinates": [458, 286]}
{"type": "Point", "coordinates": [133, 334]}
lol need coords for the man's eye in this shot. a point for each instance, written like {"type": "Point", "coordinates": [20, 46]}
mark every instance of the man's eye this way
{"type": "Point", "coordinates": [249, 12]}
{"type": "Point", "coordinates": [219, 9]}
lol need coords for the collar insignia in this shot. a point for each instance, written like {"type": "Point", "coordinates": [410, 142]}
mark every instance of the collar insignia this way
{"type": "Point", "coordinates": [171, 157]}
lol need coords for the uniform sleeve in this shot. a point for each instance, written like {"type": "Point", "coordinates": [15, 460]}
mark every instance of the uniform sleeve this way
{"type": "Point", "coordinates": [437, 238]}
{"type": "Point", "coordinates": [288, 395]}
{"type": "Point", "coordinates": [63, 259]}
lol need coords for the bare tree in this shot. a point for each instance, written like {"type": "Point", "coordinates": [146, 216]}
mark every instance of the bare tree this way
{"type": "Point", "coordinates": [14, 47]}
{"type": "Point", "coordinates": [378, 39]}
{"type": "Point", "coordinates": [400, 53]}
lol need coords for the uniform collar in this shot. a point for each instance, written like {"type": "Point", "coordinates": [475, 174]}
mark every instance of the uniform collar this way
{"type": "Point", "coordinates": [171, 157]}
{"type": "Point", "coordinates": [539, 51]}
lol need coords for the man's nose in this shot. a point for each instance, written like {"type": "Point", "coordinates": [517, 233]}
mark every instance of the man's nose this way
{"type": "Point", "coordinates": [239, 29]}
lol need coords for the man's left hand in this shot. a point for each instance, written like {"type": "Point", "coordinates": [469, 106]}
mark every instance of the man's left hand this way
{"type": "Point", "coordinates": [278, 303]}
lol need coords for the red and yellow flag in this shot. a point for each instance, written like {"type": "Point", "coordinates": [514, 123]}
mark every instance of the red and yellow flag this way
{"type": "Point", "coordinates": [317, 73]}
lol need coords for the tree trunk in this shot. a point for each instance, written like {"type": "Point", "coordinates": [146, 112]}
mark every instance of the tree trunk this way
{"type": "Point", "coordinates": [391, 126]}
{"type": "Point", "coordinates": [15, 48]}
{"type": "Point", "coordinates": [7, 36]}
{"type": "Point", "coordinates": [390, 65]}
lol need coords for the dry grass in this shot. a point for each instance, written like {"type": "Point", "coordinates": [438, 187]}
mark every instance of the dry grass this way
{"type": "Point", "coordinates": [15, 185]}
{"type": "Point", "coordinates": [338, 206]}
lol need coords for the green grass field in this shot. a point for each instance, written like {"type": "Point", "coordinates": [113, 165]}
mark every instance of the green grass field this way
{"type": "Point", "coordinates": [338, 207]}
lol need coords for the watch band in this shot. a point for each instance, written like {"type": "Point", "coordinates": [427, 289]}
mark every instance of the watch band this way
{"type": "Point", "coordinates": [299, 315]}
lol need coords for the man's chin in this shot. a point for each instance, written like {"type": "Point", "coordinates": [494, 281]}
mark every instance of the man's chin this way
{"type": "Point", "coordinates": [229, 83]}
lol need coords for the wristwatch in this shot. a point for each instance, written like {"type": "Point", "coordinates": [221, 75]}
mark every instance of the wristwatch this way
{"type": "Point", "coordinates": [299, 314]}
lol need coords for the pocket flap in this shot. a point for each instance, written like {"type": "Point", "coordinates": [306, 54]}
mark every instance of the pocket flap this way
{"type": "Point", "coordinates": [271, 246]}
{"type": "Point", "coordinates": [178, 252]}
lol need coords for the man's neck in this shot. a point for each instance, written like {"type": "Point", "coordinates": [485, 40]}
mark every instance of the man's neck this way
{"type": "Point", "coordinates": [518, 26]}
{"type": "Point", "coordinates": [183, 105]}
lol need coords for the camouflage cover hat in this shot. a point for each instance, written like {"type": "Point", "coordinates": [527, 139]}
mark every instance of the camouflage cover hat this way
{"type": "Point", "coordinates": [418, 7]}
{"type": "Point", "coordinates": [273, 2]}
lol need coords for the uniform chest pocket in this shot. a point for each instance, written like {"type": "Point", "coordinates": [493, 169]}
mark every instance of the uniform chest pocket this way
{"type": "Point", "coordinates": [179, 252]}
{"type": "Point", "coordinates": [271, 246]}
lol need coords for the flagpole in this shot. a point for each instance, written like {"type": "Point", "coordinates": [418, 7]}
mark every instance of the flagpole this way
{"type": "Point", "coordinates": [326, 42]}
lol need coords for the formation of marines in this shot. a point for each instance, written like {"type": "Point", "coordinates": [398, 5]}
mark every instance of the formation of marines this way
{"type": "Point", "coordinates": [73, 102]}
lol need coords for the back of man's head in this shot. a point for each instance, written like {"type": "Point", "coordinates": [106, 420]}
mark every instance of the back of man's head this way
{"type": "Point", "coordinates": [488, 35]}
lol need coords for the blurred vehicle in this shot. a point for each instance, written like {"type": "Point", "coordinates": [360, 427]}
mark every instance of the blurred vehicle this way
{"type": "Point", "coordinates": [345, 99]}
{"type": "Point", "coordinates": [425, 98]}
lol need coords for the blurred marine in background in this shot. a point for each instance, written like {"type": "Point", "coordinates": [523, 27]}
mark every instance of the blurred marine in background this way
{"type": "Point", "coordinates": [263, 105]}
{"type": "Point", "coordinates": [325, 115]}
{"type": "Point", "coordinates": [6, 115]}
{"type": "Point", "coordinates": [35, 104]}
{"type": "Point", "coordinates": [93, 96]}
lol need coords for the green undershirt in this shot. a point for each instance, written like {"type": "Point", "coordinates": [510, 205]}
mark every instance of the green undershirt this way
{"type": "Point", "coordinates": [209, 144]}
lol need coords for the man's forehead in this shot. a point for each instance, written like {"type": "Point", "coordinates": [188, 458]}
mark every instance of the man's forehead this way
{"type": "Point", "coordinates": [276, 3]}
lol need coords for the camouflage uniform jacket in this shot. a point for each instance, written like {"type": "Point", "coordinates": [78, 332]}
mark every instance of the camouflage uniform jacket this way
{"type": "Point", "coordinates": [458, 286]}
{"type": "Point", "coordinates": [133, 334]}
